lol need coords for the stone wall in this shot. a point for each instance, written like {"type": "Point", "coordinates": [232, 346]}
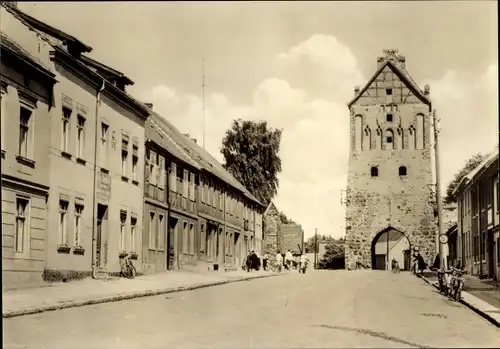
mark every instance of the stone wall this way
{"type": "Point", "coordinates": [389, 199]}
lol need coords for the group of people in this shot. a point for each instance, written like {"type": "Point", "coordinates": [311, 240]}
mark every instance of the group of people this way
{"type": "Point", "coordinates": [418, 264]}
{"type": "Point", "coordinates": [288, 262]}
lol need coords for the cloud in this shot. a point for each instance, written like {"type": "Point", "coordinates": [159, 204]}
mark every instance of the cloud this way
{"type": "Point", "coordinates": [467, 106]}
{"type": "Point", "coordinates": [307, 98]}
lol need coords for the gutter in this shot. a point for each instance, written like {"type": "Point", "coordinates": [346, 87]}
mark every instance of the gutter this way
{"type": "Point", "coordinates": [94, 193]}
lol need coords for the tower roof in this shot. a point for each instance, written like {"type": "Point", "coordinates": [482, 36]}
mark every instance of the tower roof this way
{"type": "Point", "coordinates": [398, 65]}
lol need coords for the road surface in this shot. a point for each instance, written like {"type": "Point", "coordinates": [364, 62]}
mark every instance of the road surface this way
{"type": "Point", "coordinates": [319, 309]}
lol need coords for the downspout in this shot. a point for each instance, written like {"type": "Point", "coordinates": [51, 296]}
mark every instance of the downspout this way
{"type": "Point", "coordinates": [169, 236]}
{"type": "Point", "coordinates": [94, 194]}
{"type": "Point", "coordinates": [224, 239]}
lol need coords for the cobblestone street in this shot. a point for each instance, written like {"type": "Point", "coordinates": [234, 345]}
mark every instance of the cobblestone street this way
{"type": "Point", "coordinates": [319, 309]}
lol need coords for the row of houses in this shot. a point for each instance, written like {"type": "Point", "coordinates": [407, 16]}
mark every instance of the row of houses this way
{"type": "Point", "coordinates": [91, 175]}
{"type": "Point", "coordinates": [474, 241]}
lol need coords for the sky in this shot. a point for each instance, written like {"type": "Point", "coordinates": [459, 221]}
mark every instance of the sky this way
{"type": "Point", "coordinates": [295, 65]}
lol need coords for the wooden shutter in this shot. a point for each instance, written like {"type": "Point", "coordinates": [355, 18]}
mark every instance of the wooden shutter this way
{"type": "Point", "coordinates": [192, 196]}
{"type": "Point", "coordinates": [147, 174]}
{"type": "Point", "coordinates": [173, 177]}
{"type": "Point", "coordinates": [186, 184]}
{"type": "Point", "coordinates": [161, 172]}
{"type": "Point", "coordinates": [153, 174]}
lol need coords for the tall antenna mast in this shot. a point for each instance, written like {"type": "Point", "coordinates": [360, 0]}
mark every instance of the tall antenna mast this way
{"type": "Point", "coordinates": [203, 101]}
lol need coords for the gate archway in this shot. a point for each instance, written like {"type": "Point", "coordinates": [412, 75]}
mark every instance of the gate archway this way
{"type": "Point", "coordinates": [390, 244]}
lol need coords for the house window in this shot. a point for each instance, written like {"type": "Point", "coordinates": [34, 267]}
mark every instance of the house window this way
{"type": "Point", "coordinates": [161, 232]}
{"type": "Point", "coordinates": [80, 136]}
{"type": "Point", "coordinates": [24, 131]}
{"type": "Point", "coordinates": [104, 144]}
{"type": "Point", "coordinates": [388, 91]}
{"type": "Point", "coordinates": [78, 224]}
{"type": "Point", "coordinates": [63, 222]}
{"type": "Point", "coordinates": [192, 187]}
{"type": "Point", "coordinates": [21, 215]}
{"type": "Point", "coordinates": [173, 177]}
{"type": "Point", "coordinates": [152, 168]}
{"type": "Point", "coordinates": [191, 239]}
{"type": "Point", "coordinates": [124, 157]}
{"type": "Point", "coordinates": [133, 227]}
{"type": "Point", "coordinates": [214, 197]}
{"type": "Point", "coordinates": [161, 172]}
{"type": "Point", "coordinates": [389, 118]}
{"type": "Point", "coordinates": [185, 187]}
{"type": "Point", "coordinates": [2, 115]}
{"type": "Point", "coordinates": [66, 117]}
{"type": "Point", "coordinates": [185, 238]}
{"type": "Point", "coordinates": [374, 171]}
{"type": "Point", "coordinates": [123, 226]}
{"type": "Point", "coordinates": [402, 171]}
{"type": "Point", "coordinates": [135, 159]}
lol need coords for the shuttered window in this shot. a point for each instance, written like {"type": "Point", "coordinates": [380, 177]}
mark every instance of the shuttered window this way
{"type": "Point", "coordinates": [185, 192]}
{"type": "Point", "coordinates": [173, 177]}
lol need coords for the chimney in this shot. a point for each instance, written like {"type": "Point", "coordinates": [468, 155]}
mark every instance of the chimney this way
{"type": "Point", "coordinates": [402, 61]}
{"type": "Point", "coordinates": [356, 90]}
{"type": "Point", "coordinates": [427, 90]}
{"type": "Point", "coordinates": [149, 105]}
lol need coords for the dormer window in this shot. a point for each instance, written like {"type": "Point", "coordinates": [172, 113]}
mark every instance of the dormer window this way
{"type": "Point", "coordinates": [388, 91]}
{"type": "Point", "coordinates": [389, 117]}
{"type": "Point", "coordinates": [374, 171]}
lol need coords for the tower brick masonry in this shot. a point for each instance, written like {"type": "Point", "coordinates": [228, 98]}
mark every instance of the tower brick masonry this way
{"type": "Point", "coordinates": [390, 178]}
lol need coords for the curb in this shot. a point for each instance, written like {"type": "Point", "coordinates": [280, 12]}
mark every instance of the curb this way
{"type": "Point", "coordinates": [120, 297]}
{"type": "Point", "coordinates": [468, 305]}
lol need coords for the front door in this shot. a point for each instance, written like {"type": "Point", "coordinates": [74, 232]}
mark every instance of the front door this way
{"type": "Point", "coordinates": [380, 262]}
{"type": "Point", "coordinates": [101, 245]}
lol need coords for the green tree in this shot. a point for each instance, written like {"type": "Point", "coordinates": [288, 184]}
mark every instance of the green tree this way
{"type": "Point", "coordinates": [471, 164]}
{"type": "Point", "coordinates": [309, 244]}
{"type": "Point", "coordinates": [284, 219]}
{"type": "Point", "coordinates": [334, 257]}
{"type": "Point", "coordinates": [250, 151]}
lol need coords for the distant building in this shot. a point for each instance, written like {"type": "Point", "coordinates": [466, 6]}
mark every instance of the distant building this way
{"type": "Point", "coordinates": [279, 236]}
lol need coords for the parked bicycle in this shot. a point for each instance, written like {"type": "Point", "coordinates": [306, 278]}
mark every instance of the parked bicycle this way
{"type": "Point", "coordinates": [457, 283]}
{"type": "Point", "coordinates": [127, 268]}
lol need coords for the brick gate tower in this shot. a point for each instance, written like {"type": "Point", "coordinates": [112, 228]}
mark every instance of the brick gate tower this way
{"type": "Point", "coordinates": [390, 180]}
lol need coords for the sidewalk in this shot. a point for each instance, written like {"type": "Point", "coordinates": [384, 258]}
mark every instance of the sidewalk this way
{"type": "Point", "coordinates": [89, 291]}
{"type": "Point", "coordinates": [481, 296]}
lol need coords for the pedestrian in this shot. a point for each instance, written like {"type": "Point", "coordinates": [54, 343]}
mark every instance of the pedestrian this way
{"type": "Point", "coordinates": [249, 262]}
{"type": "Point", "coordinates": [414, 262]}
{"type": "Point", "coordinates": [265, 258]}
{"type": "Point", "coordinates": [279, 261]}
{"type": "Point", "coordinates": [255, 261]}
{"type": "Point", "coordinates": [288, 259]}
{"type": "Point", "coordinates": [304, 261]}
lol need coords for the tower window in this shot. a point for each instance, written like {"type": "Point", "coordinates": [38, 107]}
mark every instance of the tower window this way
{"type": "Point", "coordinates": [389, 117]}
{"type": "Point", "coordinates": [402, 171]}
{"type": "Point", "coordinates": [389, 139]}
{"type": "Point", "coordinates": [388, 91]}
{"type": "Point", "coordinates": [374, 171]}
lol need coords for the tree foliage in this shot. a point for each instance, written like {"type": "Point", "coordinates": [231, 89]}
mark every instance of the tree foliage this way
{"type": "Point", "coordinates": [471, 164]}
{"type": "Point", "coordinates": [250, 151]}
{"type": "Point", "coordinates": [334, 257]}
{"type": "Point", "coordinates": [309, 244]}
{"type": "Point", "coordinates": [284, 219]}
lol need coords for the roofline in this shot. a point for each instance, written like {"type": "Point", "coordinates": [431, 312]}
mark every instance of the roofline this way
{"type": "Point", "coordinates": [30, 62]}
{"type": "Point", "coordinates": [42, 26]}
{"type": "Point", "coordinates": [122, 98]}
{"type": "Point", "coordinates": [480, 170]}
{"type": "Point", "coordinates": [268, 206]}
{"type": "Point", "coordinates": [400, 75]}
{"type": "Point", "coordinates": [99, 65]}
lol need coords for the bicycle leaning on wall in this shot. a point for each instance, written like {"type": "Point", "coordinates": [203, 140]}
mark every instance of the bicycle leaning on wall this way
{"type": "Point", "coordinates": [127, 268]}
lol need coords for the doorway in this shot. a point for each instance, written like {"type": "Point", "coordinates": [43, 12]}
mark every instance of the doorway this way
{"type": "Point", "coordinates": [171, 255]}
{"type": "Point", "coordinates": [388, 245]}
{"type": "Point", "coordinates": [102, 218]}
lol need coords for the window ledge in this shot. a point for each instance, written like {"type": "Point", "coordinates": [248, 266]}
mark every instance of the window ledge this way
{"type": "Point", "coordinates": [78, 250]}
{"type": "Point", "coordinates": [81, 161]}
{"type": "Point", "coordinates": [104, 170]}
{"type": "Point", "coordinates": [152, 248]}
{"type": "Point", "coordinates": [125, 178]}
{"type": "Point", "coordinates": [133, 255]}
{"type": "Point", "coordinates": [122, 254]}
{"type": "Point", "coordinates": [161, 250]}
{"type": "Point", "coordinates": [135, 182]}
{"type": "Point", "coordinates": [66, 154]}
{"type": "Point", "coordinates": [25, 161]}
{"type": "Point", "coordinates": [63, 248]}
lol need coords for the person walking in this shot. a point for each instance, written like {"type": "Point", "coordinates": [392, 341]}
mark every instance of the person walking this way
{"type": "Point", "coordinates": [303, 263]}
{"type": "Point", "coordinates": [288, 259]}
{"type": "Point", "coordinates": [279, 261]}
{"type": "Point", "coordinates": [265, 258]}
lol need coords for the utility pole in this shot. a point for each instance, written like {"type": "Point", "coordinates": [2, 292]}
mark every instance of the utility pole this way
{"type": "Point", "coordinates": [203, 101]}
{"type": "Point", "coordinates": [316, 248]}
{"type": "Point", "coordinates": [440, 237]}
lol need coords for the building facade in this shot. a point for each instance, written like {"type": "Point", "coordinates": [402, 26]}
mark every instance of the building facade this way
{"type": "Point", "coordinates": [390, 166]}
{"type": "Point", "coordinates": [478, 238]}
{"type": "Point", "coordinates": [26, 100]}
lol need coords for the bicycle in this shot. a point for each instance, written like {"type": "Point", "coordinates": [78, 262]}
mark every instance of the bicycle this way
{"type": "Point", "coordinates": [457, 284]}
{"type": "Point", "coordinates": [127, 268]}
